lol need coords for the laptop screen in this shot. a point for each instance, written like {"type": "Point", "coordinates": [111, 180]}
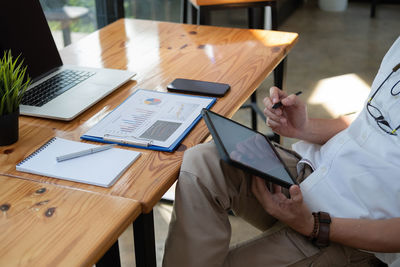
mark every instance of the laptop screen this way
{"type": "Point", "coordinates": [24, 30]}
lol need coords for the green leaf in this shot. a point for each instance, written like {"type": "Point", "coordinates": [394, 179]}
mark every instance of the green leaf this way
{"type": "Point", "coordinates": [13, 82]}
{"type": "Point", "coordinates": [2, 104]}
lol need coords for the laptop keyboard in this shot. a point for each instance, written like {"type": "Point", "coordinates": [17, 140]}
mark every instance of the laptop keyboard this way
{"type": "Point", "coordinates": [53, 87]}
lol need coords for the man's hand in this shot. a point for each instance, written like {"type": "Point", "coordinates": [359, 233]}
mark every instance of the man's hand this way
{"type": "Point", "coordinates": [289, 120]}
{"type": "Point", "coordinates": [291, 211]}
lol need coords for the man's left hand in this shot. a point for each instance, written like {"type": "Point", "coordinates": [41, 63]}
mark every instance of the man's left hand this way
{"type": "Point", "coordinates": [291, 211]}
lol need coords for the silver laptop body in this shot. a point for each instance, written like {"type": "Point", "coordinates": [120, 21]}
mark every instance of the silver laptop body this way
{"type": "Point", "coordinates": [28, 34]}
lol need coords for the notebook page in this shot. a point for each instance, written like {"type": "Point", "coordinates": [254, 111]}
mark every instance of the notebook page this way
{"type": "Point", "coordinates": [102, 168]}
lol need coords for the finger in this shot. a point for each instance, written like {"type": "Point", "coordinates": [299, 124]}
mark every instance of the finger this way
{"type": "Point", "coordinates": [278, 122]}
{"type": "Point", "coordinates": [295, 194]}
{"type": "Point", "coordinates": [267, 101]}
{"type": "Point", "coordinates": [266, 195]}
{"type": "Point", "coordinates": [268, 111]}
{"type": "Point", "coordinates": [273, 124]}
{"type": "Point", "coordinates": [291, 100]}
{"type": "Point", "coordinates": [283, 121]}
{"type": "Point", "coordinates": [255, 189]}
{"type": "Point", "coordinates": [277, 188]}
{"type": "Point", "coordinates": [259, 186]}
{"type": "Point", "coordinates": [273, 113]}
{"type": "Point", "coordinates": [276, 94]}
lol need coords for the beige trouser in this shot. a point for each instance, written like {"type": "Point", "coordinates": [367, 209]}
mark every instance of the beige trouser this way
{"type": "Point", "coordinates": [200, 231]}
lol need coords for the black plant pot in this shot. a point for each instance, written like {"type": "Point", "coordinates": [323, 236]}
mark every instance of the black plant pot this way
{"type": "Point", "coordinates": [9, 128]}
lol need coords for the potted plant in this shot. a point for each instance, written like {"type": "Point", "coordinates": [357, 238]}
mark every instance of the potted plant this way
{"type": "Point", "coordinates": [13, 84]}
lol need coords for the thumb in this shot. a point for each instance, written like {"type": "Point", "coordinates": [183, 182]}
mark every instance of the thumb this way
{"type": "Point", "coordinates": [295, 193]}
{"type": "Point", "coordinates": [291, 100]}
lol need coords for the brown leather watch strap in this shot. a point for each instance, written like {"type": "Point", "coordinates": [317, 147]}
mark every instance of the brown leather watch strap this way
{"type": "Point", "coordinates": [322, 239]}
{"type": "Point", "coordinates": [313, 236]}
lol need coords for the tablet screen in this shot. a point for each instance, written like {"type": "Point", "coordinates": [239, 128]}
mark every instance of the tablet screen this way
{"type": "Point", "coordinates": [248, 147]}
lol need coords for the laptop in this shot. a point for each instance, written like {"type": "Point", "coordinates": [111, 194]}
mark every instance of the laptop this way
{"type": "Point", "coordinates": [247, 149]}
{"type": "Point", "coordinates": [57, 91]}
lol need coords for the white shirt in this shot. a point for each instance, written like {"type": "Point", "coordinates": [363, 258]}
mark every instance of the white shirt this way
{"type": "Point", "coordinates": [357, 172]}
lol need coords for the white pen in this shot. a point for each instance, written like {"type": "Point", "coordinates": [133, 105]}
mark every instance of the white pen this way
{"type": "Point", "coordinates": [84, 152]}
{"type": "Point", "coordinates": [126, 140]}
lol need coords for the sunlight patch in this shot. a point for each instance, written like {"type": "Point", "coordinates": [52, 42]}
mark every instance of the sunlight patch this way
{"type": "Point", "coordinates": [341, 95]}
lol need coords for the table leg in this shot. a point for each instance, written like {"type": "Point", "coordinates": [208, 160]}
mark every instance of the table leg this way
{"type": "Point", "coordinates": [184, 11]}
{"type": "Point", "coordinates": [373, 8]}
{"type": "Point", "coordinates": [145, 251]}
{"type": "Point", "coordinates": [254, 110]}
{"type": "Point", "coordinates": [110, 258]}
{"type": "Point", "coordinates": [279, 80]}
{"type": "Point", "coordinates": [66, 31]}
{"type": "Point", "coordinates": [279, 74]}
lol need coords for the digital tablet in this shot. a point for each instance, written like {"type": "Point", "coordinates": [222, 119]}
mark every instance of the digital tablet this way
{"type": "Point", "coordinates": [247, 149]}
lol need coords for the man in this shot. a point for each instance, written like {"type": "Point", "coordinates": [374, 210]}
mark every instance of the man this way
{"type": "Point", "coordinates": [346, 211]}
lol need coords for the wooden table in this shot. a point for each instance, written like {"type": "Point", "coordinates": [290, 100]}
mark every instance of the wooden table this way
{"type": "Point", "coordinates": [158, 52]}
{"type": "Point", "coordinates": [47, 225]}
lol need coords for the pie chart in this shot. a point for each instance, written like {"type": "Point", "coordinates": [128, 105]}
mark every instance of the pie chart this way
{"type": "Point", "coordinates": [152, 101]}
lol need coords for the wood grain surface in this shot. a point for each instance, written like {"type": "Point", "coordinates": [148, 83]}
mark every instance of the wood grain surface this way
{"type": "Point", "coordinates": [159, 52]}
{"type": "Point", "coordinates": [47, 225]}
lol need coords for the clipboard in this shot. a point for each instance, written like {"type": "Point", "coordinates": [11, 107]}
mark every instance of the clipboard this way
{"type": "Point", "coordinates": [247, 149]}
{"type": "Point", "coordinates": [148, 117]}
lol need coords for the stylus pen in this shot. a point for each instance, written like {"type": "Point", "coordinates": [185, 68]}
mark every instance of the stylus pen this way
{"type": "Point", "coordinates": [83, 152]}
{"type": "Point", "coordinates": [279, 104]}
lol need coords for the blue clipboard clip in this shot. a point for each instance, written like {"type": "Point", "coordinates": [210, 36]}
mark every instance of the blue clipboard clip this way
{"type": "Point", "coordinates": [130, 140]}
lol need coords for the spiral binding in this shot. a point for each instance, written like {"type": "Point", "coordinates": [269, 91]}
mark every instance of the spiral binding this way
{"type": "Point", "coordinates": [37, 151]}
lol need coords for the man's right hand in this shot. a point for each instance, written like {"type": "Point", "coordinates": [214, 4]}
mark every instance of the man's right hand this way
{"type": "Point", "coordinates": [291, 118]}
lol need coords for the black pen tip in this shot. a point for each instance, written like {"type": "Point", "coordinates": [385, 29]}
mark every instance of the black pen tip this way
{"type": "Point", "coordinates": [277, 105]}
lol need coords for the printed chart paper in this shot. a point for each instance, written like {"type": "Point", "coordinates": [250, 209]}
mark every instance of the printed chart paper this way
{"type": "Point", "coordinates": [158, 117]}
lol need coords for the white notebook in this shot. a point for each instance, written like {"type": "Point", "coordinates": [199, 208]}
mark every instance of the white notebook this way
{"type": "Point", "coordinates": [101, 168]}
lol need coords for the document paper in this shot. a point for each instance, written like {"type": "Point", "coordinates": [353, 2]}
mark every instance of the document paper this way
{"type": "Point", "coordinates": [161, 118]}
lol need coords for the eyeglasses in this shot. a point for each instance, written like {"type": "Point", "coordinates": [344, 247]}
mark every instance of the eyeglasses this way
{"type": "Point", "coordinates": [377, 114]}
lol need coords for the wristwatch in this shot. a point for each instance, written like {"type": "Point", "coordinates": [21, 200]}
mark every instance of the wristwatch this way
{"type": "Point", "coordinates": [320, 233]}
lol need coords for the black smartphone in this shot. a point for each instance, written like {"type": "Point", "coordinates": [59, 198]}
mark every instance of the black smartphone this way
{"type": "Point", "coordinates": [198, 87]}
